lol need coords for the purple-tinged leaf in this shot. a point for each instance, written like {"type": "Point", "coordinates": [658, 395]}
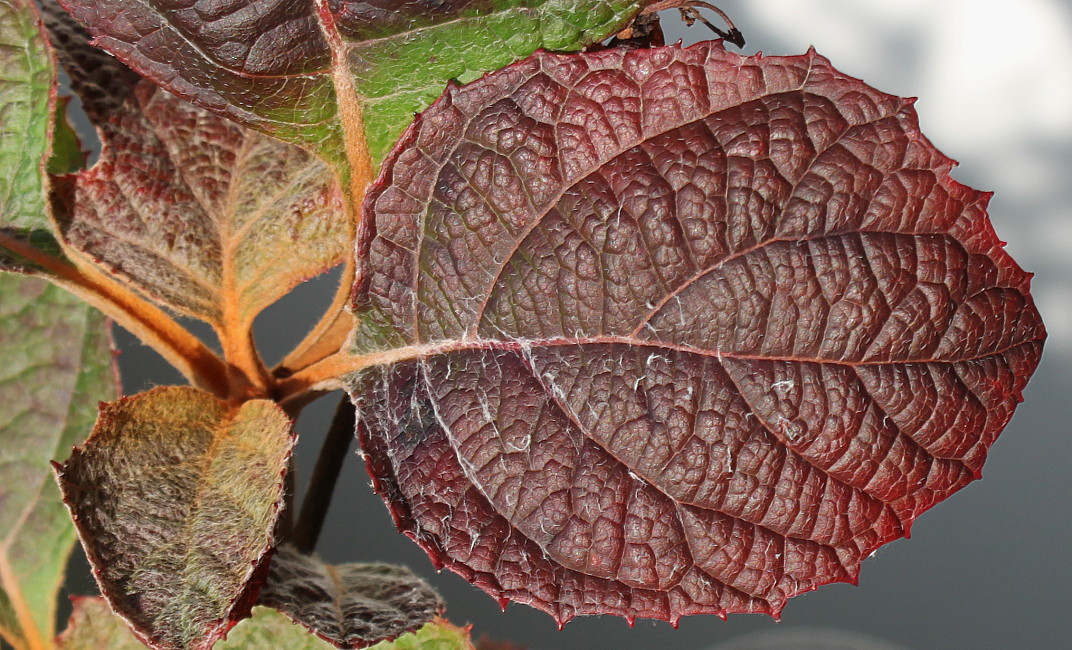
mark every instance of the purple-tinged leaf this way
{"type": "Point", "coordinates": [210, 218]}
{"type": "Point", "coordinates": [348, 605]}
{"type": "Point", "coordinates": [280, 66]}
{"type": "Point", "coordinates": [676, 331]}
{"type": "Point", "coordinates": [175, 495]}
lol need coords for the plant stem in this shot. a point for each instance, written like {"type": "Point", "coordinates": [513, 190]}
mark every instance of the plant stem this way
{"type": "Point", "coordinates": [146, 321]}
{"type": "Point", "coordinates": [247, 375]}
{"type": "Point", "coordinates": [328, 335]}
{"type": "Point", "coordinates": [322, 483]}
{"type": "Point", "coordinates": [284, 526]}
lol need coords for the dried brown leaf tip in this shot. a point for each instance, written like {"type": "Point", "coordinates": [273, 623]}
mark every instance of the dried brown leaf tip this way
{"type": "Point", "coordinates": [684, 331]}
{"type": "Point", "coordinates": [175, 495]}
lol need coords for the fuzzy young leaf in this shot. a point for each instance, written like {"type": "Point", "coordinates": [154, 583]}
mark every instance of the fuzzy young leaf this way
{"type": "Point", "coordinates": [676, 331]}
{"type": "Point", "coordinates": [55, 364]}
{"type": "Point", "coordinates": [210, 218]}
{"type": "Point", "coordinates": [26, 104]}
{"type": "Point", "coordinates": [175, 495]}
{"type": "Point", "coordinates": [278, 66]}
{"type": "Point", "coordinates": [349, 605]}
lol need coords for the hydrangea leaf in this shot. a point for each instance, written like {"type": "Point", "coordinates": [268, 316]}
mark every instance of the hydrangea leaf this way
{"type": "Point", "coordinates": [26, 106]}
{"type": "Point", "coordinates": [55, 364]}
{"type": "Point", "coordinates": [93, 626]}
{"type": "Point", "coordinates": [281, 66]}
{"type": "Point", "coordinates": [349, 605]}
{"type": "Point", "coordinates": [175, 495]}
{"type": "Point", "coordinates": [675, 331]}
{"type": "Point", "coordinates": [210, 218]}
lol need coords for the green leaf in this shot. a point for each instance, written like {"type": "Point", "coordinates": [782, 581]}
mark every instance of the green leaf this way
{"type": "Point", "coordinates": [175, 495]}
{"type": "Point", "coordinates": [437, 635]}
{"type": "Point", "coordinates": [93, 626]}
{"type": "Point", "coordinates": [351, 605]}
{"type": "Point", "coordinates": [67, 154]}
{"type": "Point", "coordinates": [55, 363]}
{"type": "Point", "coordinates": [268, 628]}
{"type": "Point", "coordinates": [25, 121]}
{"type": "Point", "coordinates": [281, 65]}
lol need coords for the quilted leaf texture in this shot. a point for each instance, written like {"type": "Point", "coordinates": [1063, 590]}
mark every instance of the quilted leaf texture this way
{"type": "Point", "coordinates": [175, 496]}
{"type": "Point", "coordinates": [674, 331]}
{"type": "Point", "coordinates": [187, 206]}
{"type": "Point", "coordinates": [277, 65]}
{"type": "Point", "coordinates": [348, 605]}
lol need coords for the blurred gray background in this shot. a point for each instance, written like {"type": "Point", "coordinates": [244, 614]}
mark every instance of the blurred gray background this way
{"type": "Point", "coordinates": [989, 568]}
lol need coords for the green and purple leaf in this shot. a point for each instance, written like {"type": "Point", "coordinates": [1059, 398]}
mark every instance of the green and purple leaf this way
{"type": "Point", "coordinates": [279, 66]}
{"type": "Point", "coordinates": [55, 364]}
{"type": "Point", "coordinates": [175, 496]}
{"type": "Point", "coordinates": [348, 605]}
{"type": "Point", "coordinates": [26, 110]}
{"type": "Point", "coordinates": [675, 331]}
{"type": "Point", "coordinates": [210, 218]}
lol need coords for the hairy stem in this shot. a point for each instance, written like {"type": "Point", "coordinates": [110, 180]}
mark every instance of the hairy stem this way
{"type": "Point", "coordinates": [359, 172]}
{"type": "Point", "coordinates": [151, 325]}
{"type": "Point", "coordinates": [246, 374]}
{"type": "Point", "coordinates": [328, 335]}
{"type": "Point", "coordinates": [329, 463]}
{"type": "Point", "coordinates": [284, 526]}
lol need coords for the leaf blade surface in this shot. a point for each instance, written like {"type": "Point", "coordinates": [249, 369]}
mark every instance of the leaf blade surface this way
{"type": "Point", "coordinates": [210, 218]}
{"type": "Point", "coordinates": [57, 362]}
{"type": "Point", "coordinates": [175, 496]}
{"type": "Point", "coordinates": [93, 626]}
{"type": "Point", "coordinates": [348, 605]}
{"type": "Point", "coordinates": [269, 65]}
{"type": "Point", "coordinates": [695, 332]}
{"type": "Point", "coordinates": [26, 98]}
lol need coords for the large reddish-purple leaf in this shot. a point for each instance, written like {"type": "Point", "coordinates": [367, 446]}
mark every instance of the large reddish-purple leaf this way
{"type": "Point", "coordinates": [675, 331]}
{"type": "Point", "coordinates": [212, 219]}
{"type": "Point", "coordinates": [175, 496]}
{"type": "Point", "coordinates": [348, 605]}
